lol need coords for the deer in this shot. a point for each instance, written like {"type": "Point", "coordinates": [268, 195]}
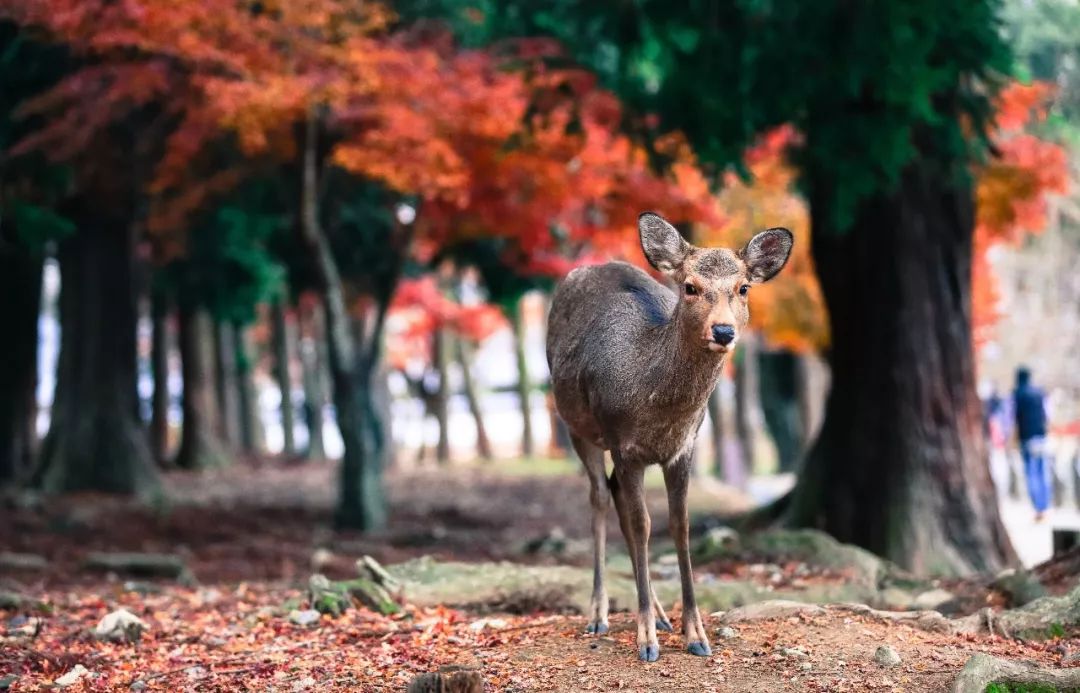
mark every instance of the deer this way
{"type": "Point", "coordinates": [632, 366]}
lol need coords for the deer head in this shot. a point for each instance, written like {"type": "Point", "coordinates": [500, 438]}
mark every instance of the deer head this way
{"type": "Point", "coordinates": [713, 283]}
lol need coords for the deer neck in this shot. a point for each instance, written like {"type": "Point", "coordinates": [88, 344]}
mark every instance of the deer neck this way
{"type": "Point", "coordinates": [688, 370]}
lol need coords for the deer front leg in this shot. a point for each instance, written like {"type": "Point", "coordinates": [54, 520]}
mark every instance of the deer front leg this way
{"type": "Point", "coordinates": [629, 492]}
{"type": "Point", "coordinates": [677, 481]}
{"type": "Point", "coordinates": [600, 499]}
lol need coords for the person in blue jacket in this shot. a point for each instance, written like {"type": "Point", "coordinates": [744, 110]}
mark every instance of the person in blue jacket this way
{"type": "Point", "coordinates": [1029, 406]}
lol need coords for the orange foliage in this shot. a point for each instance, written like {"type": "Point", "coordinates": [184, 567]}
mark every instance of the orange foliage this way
{"type": "Point", "coordinates": [1011, 192]}
{"type": "Point", "coordinates": [420, 307]}
{"type": "Point", "coordinates": [789, 311]}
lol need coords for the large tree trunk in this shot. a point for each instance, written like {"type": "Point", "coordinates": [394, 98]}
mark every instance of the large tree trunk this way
{"type": "Point", "coordinates": [283, 376]}
{"type": "Point", "coordinates": [312, 359]}
{"type": "Point", "coordinates": [524, 387]}
{"type": "Point", "coordinates": [252, 435]}
{"type": "Point", "coordinates": [159, 366]}
{"type": "Point", "coordinates": [201, 446]}
{"type": "Point", "coordinates": [20, 287]}
{"type": "Point", "coordinates": [441, 346]}
{"type": "Point", "coordinates": [226, 388]}
{"type": "Point", "coordinates": [900, 466]}
{"type": "Point", "coordinates": [464, 358]}
{"type": "Point", "coordinates": [361, 502]}
{"type": "Point", "coordinates": [96, 441]}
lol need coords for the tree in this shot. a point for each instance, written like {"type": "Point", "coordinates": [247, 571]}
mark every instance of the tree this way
{"type": "Point", "coordinates": [892, 100]}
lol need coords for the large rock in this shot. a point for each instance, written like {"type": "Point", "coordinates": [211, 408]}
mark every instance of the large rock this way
{"type": "Point", "coordinates": [163, 565]}
{"type": "Point", "coordinates": [776, 608]}
{"type": "Point", "coordinates": [120, 626]}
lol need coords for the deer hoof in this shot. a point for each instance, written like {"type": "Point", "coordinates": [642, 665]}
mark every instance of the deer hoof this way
{"type": "Point", "coordinates": [649, 653]}
{"type": "Point", "coordinates": [701, 649]}
{"type": "Point", "coordinates": [664, 625]}
{"type": "Point", "coordinates": [597, 627]}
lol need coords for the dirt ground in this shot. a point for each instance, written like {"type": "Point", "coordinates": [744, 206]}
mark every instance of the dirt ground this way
{"type": "Point", "coordinates": [251, 538]}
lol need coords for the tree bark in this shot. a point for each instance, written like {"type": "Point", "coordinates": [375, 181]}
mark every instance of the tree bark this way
{"type": "Point", "coordinates": [441, 346]}
{"type": "Point", "coordinates": [159, 366]}
{"type": "Point", "coordinates": [283, 376]}
{"type": "Point", "coordinates": [312, 359]}
{"type": "Point", "coordinates": [747, 403]}
{"type": "Point", "coordinates": [20, 287]}
{"type": "Point", "coordinates": [524, 387]}
{"type": "Point", "coordinates": [252, 435]}
{"type": "Point", "coordinates": [96, 441]}
{"type": "Point", "coordinates": [201, 446]}
{"type": "Point", "coordinates": [810, 388]}
{"type": "Point", "coordinates": [361, 502]}
{"type": "Point", "coordinates": [900, 466]}
{"type": "Point", "coordinates": [464, 358]}
{"type": "Point", "coordinates": [226, 385]}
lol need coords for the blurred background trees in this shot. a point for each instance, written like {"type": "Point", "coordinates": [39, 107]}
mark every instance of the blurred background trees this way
{"type": "Point", "coordinates": [360, 208]}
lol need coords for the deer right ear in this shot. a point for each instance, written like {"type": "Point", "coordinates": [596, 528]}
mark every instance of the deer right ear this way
{"type": "Point", "coordinates": [664, 246]}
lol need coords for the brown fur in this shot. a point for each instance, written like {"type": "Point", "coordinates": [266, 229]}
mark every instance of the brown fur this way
{"type": "Point", "coordinates": [632, 365]}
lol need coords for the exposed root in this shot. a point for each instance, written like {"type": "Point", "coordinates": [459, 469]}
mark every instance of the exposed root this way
{"type": "Point", "coordinates": [982, 670]}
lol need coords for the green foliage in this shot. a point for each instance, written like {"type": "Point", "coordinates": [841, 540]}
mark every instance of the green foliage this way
{"type": "Point", "coordinates": [227, 265]}
{"type": "Point", "coordinates": [1020, 688]}
{"type": "Point", "coordinates": [871, 84]}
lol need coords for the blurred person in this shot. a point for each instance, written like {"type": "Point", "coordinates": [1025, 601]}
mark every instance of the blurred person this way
{"type": "Point", "coordinates": [1029, 406]}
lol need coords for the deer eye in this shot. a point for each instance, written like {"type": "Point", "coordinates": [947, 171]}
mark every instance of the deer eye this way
{"type": "Point", "coordinates": [691, 290]}
{"type": "Point", "coordinates": [744, 289]}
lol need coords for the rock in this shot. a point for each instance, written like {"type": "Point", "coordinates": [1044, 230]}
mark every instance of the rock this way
{"type": "Point", "coordinates": [72, 677]}
{"type": "Point", "coordinates": [716, 542]}
{"type": "Point", "coordinates": [320, 559]}
{"type": "Point", "coordinates": [841, 663]}
{"type": "Point", "coordinates": [120, 626]}
{"type": "Point", "coordinates": [932, 600]}
{"type": "Point", "coordinates": [886, 656]}
{"type": "Point", "coordinates": [304, 684]}
{"type": "Point", "coordinates": [794, 652]}
{"type": "Point", "coordinates": [449, 679]}
{"type": "Point", "coordinates": [1020, 586]}
{"type": "Point", "coordinates": [806, 666]}
{"type": "Point", "coordinates": [306, 617]}
{"type": "Point", "coordinates": [7, 681]}
{"type": "Point", "coordinates": [727, 633]}
{"type": "Point", "coordinates": [164, 565]}
{"type": "Point", "coordinates": [22, 562]}
{"type": "Point", "coordinates": [138, 685]}
{"type": "Point", "coordinates": [11, 600]}
{"type": "Point", "coordinates": [141, 588]}
{"type": "Point", "coordinates": [493, 623]}
{"type": "Point", "coordinates": [778, 608]}
{"type": "Point", "coordinates": [337, 597]}
{"type": "Point", "coordinates": [554, 542]}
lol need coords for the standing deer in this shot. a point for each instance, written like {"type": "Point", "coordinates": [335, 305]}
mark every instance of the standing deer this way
{"type": "Point", "coordinates": [632, 366]}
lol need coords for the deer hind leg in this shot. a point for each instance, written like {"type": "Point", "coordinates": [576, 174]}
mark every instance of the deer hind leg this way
{"type": "Point", "coordinates": [600, 499]}
{"type": "Point", "coordinates": [677, 481]}
{"type": "Point", "coordinates": [628, 490]}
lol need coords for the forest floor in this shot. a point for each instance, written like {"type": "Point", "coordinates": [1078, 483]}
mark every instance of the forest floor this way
{"type": "Point", "coordinates": [240, 619]}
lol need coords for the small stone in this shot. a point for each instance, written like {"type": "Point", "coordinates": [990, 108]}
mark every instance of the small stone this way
{"type": "Point", "coordinates": [841, 663]}
{"type": "Point", "coordinates": [72, 677]}
{"type": "Point", "coordinates": [306, 617]}
{"type": "Point", "coordinates": [806, 666]}
{"type": "Point", "coordinates": [493, 623]}
{"type": "Point", "coordinates": [22, 561]}
{"type": "Point", "coordinates": [933, 600]}
{"type": "Point", "coordinates": [304, 684]}
{"type": "Point", "coordinates": [886, 656]}
{"type": "Point", "coordinates": [120, 626]}
{"type": "Point", "coordinates": [728, 633]}
{"type": "Point", "coordinates": [321, 558]}
{"type": "Point", "coordinates": [138, 685]}
{"type": "Point", "coordinates": [795, 652]}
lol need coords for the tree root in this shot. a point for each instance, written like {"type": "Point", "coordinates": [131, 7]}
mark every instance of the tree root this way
{"type": "Point", "coordinates": [982, 670]}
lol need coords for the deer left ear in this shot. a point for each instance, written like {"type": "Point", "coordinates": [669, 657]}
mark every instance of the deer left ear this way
{"type": "Point", "coordinates": [766, 254]}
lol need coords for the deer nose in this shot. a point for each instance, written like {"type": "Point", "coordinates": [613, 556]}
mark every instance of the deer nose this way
{"type": "Point", "coordinates": [723, 334]}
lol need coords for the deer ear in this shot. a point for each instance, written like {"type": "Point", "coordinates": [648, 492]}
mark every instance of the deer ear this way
{"type": "Point", "coordinates": [767, 253]}
{"type": "Point", "coordinates": [664, 246]}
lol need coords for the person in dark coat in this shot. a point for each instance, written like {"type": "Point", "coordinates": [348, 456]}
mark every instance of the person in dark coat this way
{"type": "Point", "coordinates": [1029, 406]}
